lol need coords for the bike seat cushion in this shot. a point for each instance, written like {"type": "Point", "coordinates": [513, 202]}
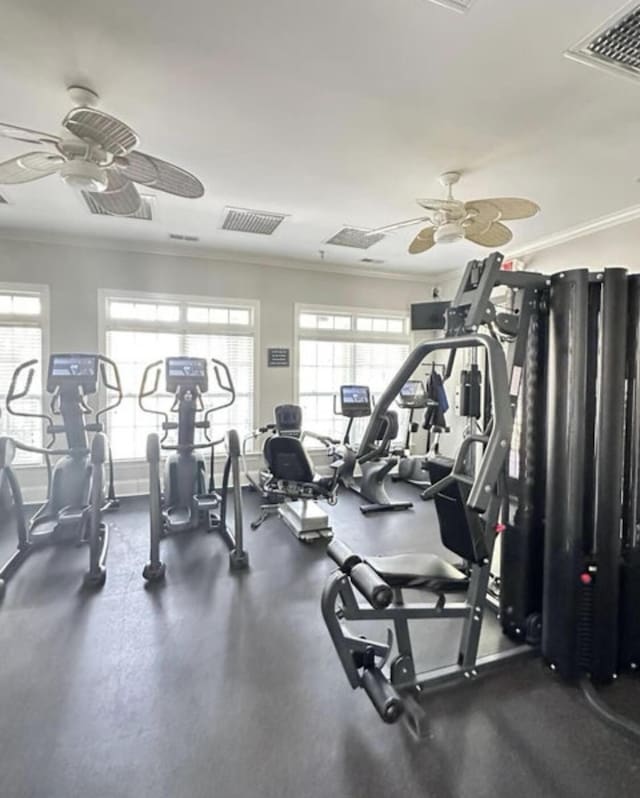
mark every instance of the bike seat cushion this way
{"type": "Point", "coordinates": [426, 571]}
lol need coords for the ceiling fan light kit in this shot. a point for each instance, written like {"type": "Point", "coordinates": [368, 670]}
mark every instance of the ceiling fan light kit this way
{"type": "Point", "coordinates": [83, 175]}
{"type": "Point", "coordinates": [97, 154]}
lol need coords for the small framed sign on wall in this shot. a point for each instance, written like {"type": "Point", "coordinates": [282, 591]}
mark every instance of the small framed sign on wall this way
{"type": "Point", "coordinates": [278, 357]}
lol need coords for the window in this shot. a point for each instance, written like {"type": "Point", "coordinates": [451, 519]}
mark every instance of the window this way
{"type": "Point", "coordinates": [21, 339]}
{"type": "Point", "coordinates": [341, 347]}
{"type": "Point", "coordinates": [141, 330]}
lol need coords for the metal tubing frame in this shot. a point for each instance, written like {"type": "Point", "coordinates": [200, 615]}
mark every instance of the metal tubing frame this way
{"type": "Point", "coordinates": [609, 440]}
{"type": "Point", "coordinates": [498, 445]}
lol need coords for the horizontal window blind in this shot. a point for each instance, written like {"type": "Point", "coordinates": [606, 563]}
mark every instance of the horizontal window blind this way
{"type": "Point", "coordinates": [21, 339]}
{"type": "Point", "coordinates": [142, 331]}
{"type": "Point", "coordinates": [360, 356]}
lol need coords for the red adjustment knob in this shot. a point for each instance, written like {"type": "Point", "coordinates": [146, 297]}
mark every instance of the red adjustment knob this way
{"type": "Point", "coordinates": [500, 528]}
{"type": "Point", "coordinates": [586, 579]}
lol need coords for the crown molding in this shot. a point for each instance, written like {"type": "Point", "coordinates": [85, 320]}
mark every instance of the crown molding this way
{"type": "Point", "coordinates": [579, 231]}
{"type": "Point", "coordinates": [207, 254]}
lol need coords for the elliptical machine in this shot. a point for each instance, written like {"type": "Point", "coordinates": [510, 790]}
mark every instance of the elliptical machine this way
{"type": "Point", "coordinates": [75, 496]}
{"type": "Point", "coordinates": [189, 501]}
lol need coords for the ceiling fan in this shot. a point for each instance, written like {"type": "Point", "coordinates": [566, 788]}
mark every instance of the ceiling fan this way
{"type": "Point", "coordinates": [452, 220]}
{"type": "Point", "coordinates": [96, 153]}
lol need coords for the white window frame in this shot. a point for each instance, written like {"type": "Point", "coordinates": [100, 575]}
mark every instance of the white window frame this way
{"type": "Point", "coordinates": [182, 327]}
{"type": "Point", "coordinates": [43, 323]}
{"type": "Point", "coordinates": [348, 336]}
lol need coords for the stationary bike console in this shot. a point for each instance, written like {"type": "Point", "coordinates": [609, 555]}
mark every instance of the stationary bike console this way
{"type": "Point", "coordinates": [355, 401]}
{"type": "Point", "coordinates": [412, 396]}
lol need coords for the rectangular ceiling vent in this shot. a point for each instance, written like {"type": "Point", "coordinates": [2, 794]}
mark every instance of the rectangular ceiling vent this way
{"type": "Point", "coordinates": [181, 237]}
{"type": "Point", "coordinates": [355, 237]}
{"type": "Point", "coordinates": [377, 261]}
{"type": "Point", "coordinates": [144, 212]}
{"type": "Point", "coordinates": [3, 200]}
{"type": "Point", "coordinates": [615, 45]}
{"type": "Point", "coordinates": [243, 220]}
{"type": "Point", "coordinates": [461, 6]}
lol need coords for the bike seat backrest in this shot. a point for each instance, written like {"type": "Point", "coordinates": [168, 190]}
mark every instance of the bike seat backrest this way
{"type": "Point", "coordinates": [388, 428]}
{"type": "Point", "coordinates": [288, 420]}
{"type": "Point", "coordinates": [288, 460]}
{"type": "Point", "coordinates": [461, 530]}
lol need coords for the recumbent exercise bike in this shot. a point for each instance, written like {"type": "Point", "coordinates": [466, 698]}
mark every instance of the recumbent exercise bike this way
{"type": "Point", "coordinates": [288, 482]}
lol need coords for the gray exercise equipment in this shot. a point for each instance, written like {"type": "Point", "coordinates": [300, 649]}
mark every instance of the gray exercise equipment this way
{"type": "Point", "coordinates": [76, 501]}
{"type": "Point", "coordinates": [190, 502]}
{"type": "Point", "coordinates": [375, 459]}
{"type": "Point", "coordinates": [288, 483]}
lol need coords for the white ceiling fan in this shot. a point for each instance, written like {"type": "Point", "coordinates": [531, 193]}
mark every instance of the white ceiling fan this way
{"type": "Point", "coordinates": [96, 153]}
{"type": "Point", "coordinates": [452, 220]}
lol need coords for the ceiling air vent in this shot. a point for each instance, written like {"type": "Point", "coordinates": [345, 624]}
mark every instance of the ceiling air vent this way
{"type": "Point", "coordinates": [615, 45]}
{"type": "Point", "coordinates": [355, 237]}
{"type": "Point", "coordinates": [3, 200]}
{"type": "Point", "coordinates": [377, 261]}
{"type": "Point", "coordinates": [456, 5]}
{"type": "Point", "coordinates": [145, 211]}
{"type": "Point", "coordinates": [181, 237]}
{"type": "Point", "coordinates": [243, 220]}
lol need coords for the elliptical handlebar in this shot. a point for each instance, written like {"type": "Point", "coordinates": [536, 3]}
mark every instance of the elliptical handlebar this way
{"type": "Point", "coordinates": [225, 383]}
{"type": "Point", "coordinates": [145, 392]}
{"type": "Point", "coordinates": [111, 386]}
{"type": "Point", "coordinates": [228, 388]}
{"type": "Point", "coordinates": [13, 395]}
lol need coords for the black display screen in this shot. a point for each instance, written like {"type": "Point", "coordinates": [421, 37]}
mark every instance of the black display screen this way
{"type": "Point", "coordinates": [411, 389]}
{"type": "Point", "coordinates": [194, 367]}
{"type": "Point", "coordinates": [354, 394]}
{"type": "Point", "coordinates": [186, 373]}
{"type": "Point", "coordinates": [429, 315]}
{"type": "Point", "coordinates": [355, 401]}
{"type": "Point", "coordinates": [73, 366]}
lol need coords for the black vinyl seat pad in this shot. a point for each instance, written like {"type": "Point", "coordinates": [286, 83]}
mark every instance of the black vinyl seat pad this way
{"type": "Point", "coordinates": [426, 571]}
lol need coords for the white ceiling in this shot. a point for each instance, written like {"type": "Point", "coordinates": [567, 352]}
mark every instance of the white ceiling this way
{"type": "Point", "coordinates": [337, 112]}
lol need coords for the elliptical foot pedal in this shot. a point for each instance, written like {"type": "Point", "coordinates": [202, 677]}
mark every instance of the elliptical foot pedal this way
{"type": "Point", "coordinates": [95, 580]}
{"type": "Point", "coordinates": [154, 572]}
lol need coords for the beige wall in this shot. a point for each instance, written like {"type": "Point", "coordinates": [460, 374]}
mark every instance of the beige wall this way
{"type": "Point", "coordinates": [75, 275]}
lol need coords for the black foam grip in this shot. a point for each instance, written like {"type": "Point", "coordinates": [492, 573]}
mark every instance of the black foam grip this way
{"type": "Point", "coordinates": [371, 585]}
{"type": "Point", "coordinates": [383, 695]}
{"type": "Point", "coordinates": [342, 555]}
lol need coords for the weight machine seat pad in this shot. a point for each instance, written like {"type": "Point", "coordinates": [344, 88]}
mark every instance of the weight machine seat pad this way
{"type": "Point", "coordinates": [426, 571]}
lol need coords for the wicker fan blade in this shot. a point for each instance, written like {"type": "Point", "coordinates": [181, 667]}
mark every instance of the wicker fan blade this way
{"type": "Point", "coordinates": [496, 235]}
{"type": "Point", "coordinates": [120, 198]}
{"type": "Point", "coordinates": [509, 207]}
{"type": "Point", "coordinates": [26, 134]}
{"type": "Point", "coordinates": [102, 129]}
{"type": "Point", "coordinates": [28, 167]}
{"type": "Point", "coordinates": [423, 241]}
{"type": "Point", "coordinates": [481, 214]}
{"type": "Point", "coordinates": [161, 175]}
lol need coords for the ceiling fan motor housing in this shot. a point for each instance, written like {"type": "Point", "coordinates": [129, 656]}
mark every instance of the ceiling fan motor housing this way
{"type": "Point", "coordinates": [449, 233]}
{"type": "Point", "coordinates": [83, 175]}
